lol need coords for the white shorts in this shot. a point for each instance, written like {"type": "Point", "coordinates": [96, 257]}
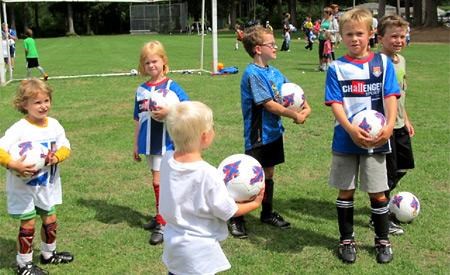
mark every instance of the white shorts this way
{"type": "Point", "coordinates": [154, 162]}
{"type": "Point", "coordinates": [371, 170]}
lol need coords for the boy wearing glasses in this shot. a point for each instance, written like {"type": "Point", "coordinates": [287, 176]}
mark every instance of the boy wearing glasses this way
{"type": "Point", "coordinates": [262, 109]}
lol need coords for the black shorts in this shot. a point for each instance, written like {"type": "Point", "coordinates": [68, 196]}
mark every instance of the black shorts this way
{"type": "Point", "coordinates": [401, 157]}
{"type": "Point", "coordinates": [32, 62]}
{"type": "Point", "coordinates": [270, 154]}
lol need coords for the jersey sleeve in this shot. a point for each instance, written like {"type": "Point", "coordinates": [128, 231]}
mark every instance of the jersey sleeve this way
{"type": "Point", "coordinates": [222, 205]}
{"type": "Point", "coordinates": [391, 87]}
{"type": "Point", "coordinates": [179, 91]}
{"type": "Point", "coordinates": [259, 90]}
{"type": "Point", "coordinates": [333, 92]}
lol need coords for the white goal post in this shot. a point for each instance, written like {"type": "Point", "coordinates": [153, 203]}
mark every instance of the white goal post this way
{"type": "Point", "coordinates": [3, 19]}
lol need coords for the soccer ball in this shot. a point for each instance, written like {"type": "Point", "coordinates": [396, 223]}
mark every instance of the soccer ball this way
{"type": "Point", "coordinates": [293, 96]}
{"type": "Point", "coordinates": [405, 206]}
{"type": "Point", "coordinates": [370, 121]}
{"type": "Point", "coordinates": [133, 72]}
{"type": "Point", "coordinates": [161, 98]}
{"type": "Point", "coordinates": [242, 175]}
{"type": "Point", "coordinates": [34, 152]}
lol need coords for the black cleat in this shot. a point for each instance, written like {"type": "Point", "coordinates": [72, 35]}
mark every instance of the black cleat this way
{"type": "Point", "coordinates": [276, 220]}
{"type": "Point", "coordinates": [151, 224]}
{"type": "Point", "coordinates": [237, 228]}
{"type": "Point", "coordinates": [58, 258]}
{"type": "Point", "coordinates": [31, 269]}
{"type": "Point", "coordinates": [384, 251]}
{"type": "Point", "coordinates": [157, 235]}
{"type": "Point", "coordinates": [347, 251]}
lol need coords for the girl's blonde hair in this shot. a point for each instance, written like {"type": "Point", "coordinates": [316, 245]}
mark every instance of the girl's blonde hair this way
{"type": "Point", "coordinates": [254, 36]}
{"type": "Point", "coordinates": [153, 48]}
{"type": "Point", "coordinates": [356, 15]}
{"type": "Point", "coordinates": [391, 21]}
{"type": "Point", "coordinates": [28, 89]}
{"type": "Point", "coordinates": [186, 122]}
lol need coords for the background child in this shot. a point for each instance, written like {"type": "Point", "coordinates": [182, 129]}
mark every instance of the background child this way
{"type": "Point", "coordinates": [32, 55]}
{"type": "Point", "coordinates": [239, 34]}
{"type": "Point", "coordinates": [392, 30]}
{"type": "Point", "coordinates": [357, 81]}
{"type": "Point", "coordinates": [150, 136]}
{"type": "Point", "coordinates": [41, 192]}
{"type": "Point", "coordinates": [286, 39]}
{"type": "Point", "coordinates": [194, 199]}
{"type": "Point", "coordinates": [327, 51]}
{"type": "Point", "coordinates": [11, 34]}
{"type": "Point", "coordinates": [262, 111]}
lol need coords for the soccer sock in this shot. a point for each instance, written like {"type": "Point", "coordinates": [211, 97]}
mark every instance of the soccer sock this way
{"type": "Point", "coordinates": [380, 218]}
{"type": "Point", "coordinates": [159, 218]}
{"type": "Point", "coordinates": [25, 240]}
{"type": "Point", "coordinates": [47, 249]}
{"type": "Point", "coordinates": [268, 198]}
{"type": "Point", "coordinates": [48, 232]}
{"type": "Point", "coordinates": [345, 218]}
{"type": "Point", "coordinates": [41, 70]}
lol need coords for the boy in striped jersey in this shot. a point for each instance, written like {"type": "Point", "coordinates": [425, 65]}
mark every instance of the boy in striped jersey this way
{"type": "Point", "coordinates": [358, 81]}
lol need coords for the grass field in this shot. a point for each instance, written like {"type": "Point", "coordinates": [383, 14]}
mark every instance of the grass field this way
{"type": "Point", "coordinates": [107, 196]}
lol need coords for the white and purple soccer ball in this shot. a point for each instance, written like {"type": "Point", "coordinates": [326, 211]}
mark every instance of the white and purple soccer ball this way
{"type": "Point", "coordinates": [370, 121]}
{"type": "Point", "coordinates": [293, 96]}
{"type": "Point", "coordinates": [35, 154]}
{"type": "Point", "coordinates": [161, 98]}
{"type": "Point", "coordinates": [243, 176]}
{"type": "Point", "coordinates": [134, 72]}
{"type": "Point", "coordinates": [405, 206]}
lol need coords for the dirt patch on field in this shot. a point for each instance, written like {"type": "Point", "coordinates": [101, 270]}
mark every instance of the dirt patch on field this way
{"type": "Point", "coordinates": [436, 35]}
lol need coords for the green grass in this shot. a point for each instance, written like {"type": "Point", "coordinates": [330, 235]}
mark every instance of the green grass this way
{"type": "Point", "coordinates": [107, 196]}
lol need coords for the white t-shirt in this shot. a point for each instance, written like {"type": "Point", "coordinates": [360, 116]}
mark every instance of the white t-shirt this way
{"type": "Point", "coordinates": [196, 205]}
{"type": "Point", "coordinates": [44, 189]}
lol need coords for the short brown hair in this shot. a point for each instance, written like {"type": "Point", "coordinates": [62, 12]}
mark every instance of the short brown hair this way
{"type": "Point", "coordinates": [30, 88]}
{"type": "Point", "coordinates": [391, 21]}
{"type": "Point", "coordinates": [253, 36]}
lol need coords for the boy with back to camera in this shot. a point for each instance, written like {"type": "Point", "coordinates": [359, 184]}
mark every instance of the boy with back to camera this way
{"type": "Point", "coordinates": [35, 192]}
{"type": "Point", "coordinates": [358, 81]}
{"type": "Point", "coordinates": [194, 200]}
{"type": "Point", "coordinates": [262, 109]}
{"type": "Point", "coordinates": [392, 31]}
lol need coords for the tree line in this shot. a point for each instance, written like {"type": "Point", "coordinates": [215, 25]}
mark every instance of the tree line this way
{"type": "Point", "coordinates": [87, 18]}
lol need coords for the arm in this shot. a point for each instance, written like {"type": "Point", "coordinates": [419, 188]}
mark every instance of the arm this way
{"type": "Point", "coordinates": [246, 207]}
{"type": "Point", "coordinates": [408, 124]}
{"type": "Point", "coordinates": [136, 156]}
{"type": "Point", "coordinates": [17, 165]}
{"type": "Point", "coordinates": [358, 135]}
{"type": "Point", "coordinates": [280, 110]}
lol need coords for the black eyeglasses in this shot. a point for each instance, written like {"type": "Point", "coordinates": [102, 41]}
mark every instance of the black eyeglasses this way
{"type": "Point", "coordinates": [270, 45]}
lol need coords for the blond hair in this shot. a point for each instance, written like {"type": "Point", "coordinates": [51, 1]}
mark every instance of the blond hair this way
{"type": "Point", "coordinates": [28, 89]}
{"type": "Point", "coordinates": [356, 15]}
{"type": "Point", "coordinates": [153, 48]}
{"type": "Point", "coordinates": [391, 21]}
{"type": "Point", "coordinates": [253, 36]}
{"type": "Point", "coordinates": [186, 122]}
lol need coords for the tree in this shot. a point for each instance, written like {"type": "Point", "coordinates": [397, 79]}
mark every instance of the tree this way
{"type": "Point", "coordinates": [417, 12]}
{"type": "Point", "coordinates": [381, 8]}
{"type": "Point", "coordinates": [70, 28]}
{"type": "Point", "coordinates": [431, 19]}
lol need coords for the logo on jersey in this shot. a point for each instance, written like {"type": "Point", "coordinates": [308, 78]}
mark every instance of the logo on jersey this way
{"type": "Point", "coordinates": [376, 71]}
{"type": "Point", "coordinates": [231, 171]}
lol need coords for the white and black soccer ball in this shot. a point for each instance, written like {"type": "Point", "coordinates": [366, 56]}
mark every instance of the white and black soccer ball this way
{"type": "Point", "coordinates": [243, 176]}
{"type": "Point", "coordinates": [370, 121]}
{"type": "Point", "coordinates": [405, 206]}
{"type": "Point", "coordinates": [161, 98]}
{"type": "Point", "coordinates": [35, 154]}
{"type": "Point", "coordinates": [293, 96]}
{"type": "Point", "coordinates": [134, 72]}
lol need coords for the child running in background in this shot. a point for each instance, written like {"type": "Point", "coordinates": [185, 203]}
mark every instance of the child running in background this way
{"type": "Point", "coordinates": [392, 31]}
{"type": "Point", "coordinates": [35, 192]}
{"type": "Point", "coordinates": [194, 199]}
{"type": "Point", "coordinates": [150, 136]}
{"type": "Point", "coordinates": [32, 55]}
{"type": "Point", "coordinates": [262, 110]}
{"type": "Point", "coordinates": [361, 80]}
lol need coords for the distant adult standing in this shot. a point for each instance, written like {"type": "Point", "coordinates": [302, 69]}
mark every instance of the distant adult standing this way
{"type": "Point", "coordinates": [325, 26]}
{"type": "Point", "coordinates": [32, 55]}
{"type": "Point", "coordinates": [373, 41]}
{"type": "Point", "coordinates": [286, 20]}
{"type": "Point", "coordinates": [10, 35]}
{"type": "Point", "coordinates": [335, 36]}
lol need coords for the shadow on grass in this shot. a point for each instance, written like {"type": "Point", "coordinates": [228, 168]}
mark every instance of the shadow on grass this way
{"type": "Point", "coordinates": [7, 254]}
{"type": "Point", "coordinates": [113, 214]}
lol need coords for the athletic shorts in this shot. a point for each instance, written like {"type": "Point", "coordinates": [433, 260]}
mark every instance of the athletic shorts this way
{"type": "Point", "coordinates": [154, 162]}
{"type": "Point", "coordinates": [401, 157]}
{"type": "Point", "coordinates": [12, 51]}
{"type": "Point", "coordinates": [269, 154]}
{"type": "Point", "coordinates": [34, 213]}
{"type": "Point", "coordinates": [32, 62]}
{"type": "Point", "coordinates": [369, 170]}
